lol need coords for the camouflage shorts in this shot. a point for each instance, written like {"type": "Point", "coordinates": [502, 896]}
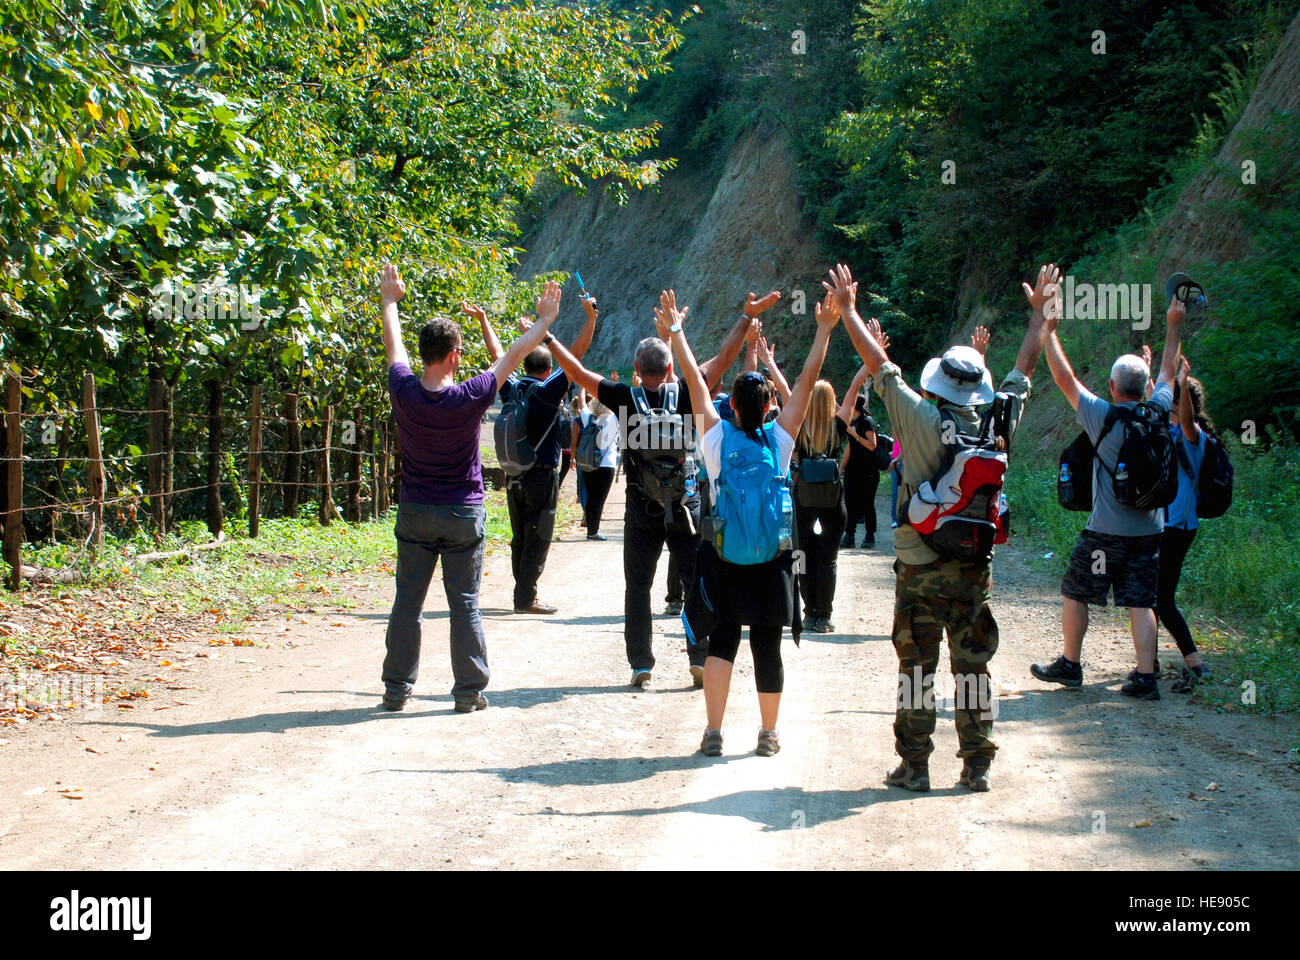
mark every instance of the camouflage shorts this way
{"type": "Point", "coordinates": [929, 599]}
{"type": "Point", "coordinates": [1131, 564]}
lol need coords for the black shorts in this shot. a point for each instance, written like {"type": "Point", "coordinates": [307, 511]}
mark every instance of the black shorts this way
{"type": "Point", "coordinates": [1131, 564]}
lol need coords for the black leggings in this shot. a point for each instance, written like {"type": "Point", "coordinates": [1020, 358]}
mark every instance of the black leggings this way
{"type": "Point", "coordinates": [764, 643]}
{"type": "Point", "coordinates": [1173, 550]}
{"type": "Point", "coordinates": [820, 553]}
{"type": "Point", "coordinates": [860, 500]}
{"type": "Point", "coordinates": [565, 459]}
{"type": "Point", "coordinates": [597, 482]}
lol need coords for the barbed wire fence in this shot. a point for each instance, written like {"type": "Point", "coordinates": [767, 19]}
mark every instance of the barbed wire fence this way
{"type": "Point", "coordinates": [77, 479]}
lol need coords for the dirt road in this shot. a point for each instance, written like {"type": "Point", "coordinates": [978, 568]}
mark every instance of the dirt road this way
{"type": "Point", "coordinates": [282, 758]}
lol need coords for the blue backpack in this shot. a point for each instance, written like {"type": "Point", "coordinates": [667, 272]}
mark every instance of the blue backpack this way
{"type": "Point", "coordinates": [751, 500]}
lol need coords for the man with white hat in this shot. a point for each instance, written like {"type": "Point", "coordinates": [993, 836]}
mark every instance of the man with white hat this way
{"type": "Point", "coordinates": [934, 593]}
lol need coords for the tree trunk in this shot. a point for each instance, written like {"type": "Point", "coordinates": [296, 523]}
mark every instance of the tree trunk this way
{"type": "Point", "coordinates": [293, 458]}
{"type": "Point", "coordinates": [214, 458]}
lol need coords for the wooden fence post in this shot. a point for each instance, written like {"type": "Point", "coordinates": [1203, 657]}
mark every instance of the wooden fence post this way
{"type": "Point", "coordinates": [326, 500]}
{"type": "Point", "coordinates": [157, 451]}
{"type": "Point", "coordinates": [254, 460]}
{"type": "Point", "coordinates": [293, 458]}
{"type": "Point", "coordinates": [381, 467]}
{"type": "Point", "coordinates": [354, 481]}
{"type": "Point", "coordinates": [373, 445]}
{"type": "Point", "coordinates": [13, 543]}
{"type": "Point", "coordinates": [95, 469]}
{"type": "Point", "coordinates": [214, 458]}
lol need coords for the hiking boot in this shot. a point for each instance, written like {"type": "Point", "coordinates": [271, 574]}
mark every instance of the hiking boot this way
{"type": "Point", "coordinates": [975, 774]}
{"type": "Point", "coordinates": [768, 744]}
{"type": "Point", "coordinates": [711, 745]}
{"type": "Point", "coordinates": [640, 678]}
{"type": "Point", "coordinates": [847, 542]}
{"type": "Point", "coordinates": [674, 608]}
{"type": "Point", "coordinates": [1141, 688]}
{"type": "Point", "coordinates": [1189, 677]}
{"type": "Point", "coordinates": [1060, 671]}
{"type": "Point", "coordinates": [813, 625]}
{"type": "Point", "coordinates": [914, 777]}
{"type": "Point", "coordinates": [395, 701]}
{"type": "Point", "coordinates": [869, 541]}
{"type": "Point", "coordinates": [827, 626]}
{"type": "Point", "coordinates": [469, 706]}
{"type": "Point", "coordinates": [697, 676]}
{"type": "Point", "coordinates": [537, 607]}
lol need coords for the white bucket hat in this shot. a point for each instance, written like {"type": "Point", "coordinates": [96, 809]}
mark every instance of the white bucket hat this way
{"type": "Point", "coordinates": [960, 377]}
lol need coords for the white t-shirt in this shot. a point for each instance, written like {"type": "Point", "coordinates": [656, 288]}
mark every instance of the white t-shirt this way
{"type": "Point", "coordinates": [607, 439]}
{"type": "Point", "coordinates": [711, 447]}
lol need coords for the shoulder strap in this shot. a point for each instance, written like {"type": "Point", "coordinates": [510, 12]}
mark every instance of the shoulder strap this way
{"type": "Point", "coordinates": [638, 398]}
{"type": "Point", "coordinates": [1180, 451]}
{"type": "Point", "coordinates": [670, 397]}
{"type": "Point", "coordinates": [1112, 417]}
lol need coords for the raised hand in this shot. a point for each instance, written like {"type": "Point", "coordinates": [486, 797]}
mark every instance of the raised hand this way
{"type": "Point", "coordinates": [1045, 289]}
{"type": "Point", "coordinates": [1146, 355]}
{"type": "Point", "coordinates": [525, 324]}
{"type": "Point", "coordinates": [667, 313]}
{"type": "Point", "coordinates": [548, 304]}
{"type": "Point", "coordinates": [827, 312]}
{"type": "Point", "coordinates": [874, 328]}
{"type": "Point", "coordinates": [754, 332]}
{"type": "Point", "coordinates": [474, 311]}
{"type": "Point", "coordinates": [764, 352]}
{"type": "Point", "coordinates": [754, 305]}
{"type": "Point", "coordinates": [391, 287]}
{"type": "Point", "coordinates": [1184, 368]}
{"type": "Point", "coordinates": [843, 289]}
{"type": "Point", "coordinates": [589, 305]}
{"type": "Point", "coordinates": [1177, 312]}
{"type": "Point", "coordinates": [980, 339]}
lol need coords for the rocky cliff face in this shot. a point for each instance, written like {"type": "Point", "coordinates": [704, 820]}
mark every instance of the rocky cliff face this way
{"type": "Point", "coordinates": [712, 236]}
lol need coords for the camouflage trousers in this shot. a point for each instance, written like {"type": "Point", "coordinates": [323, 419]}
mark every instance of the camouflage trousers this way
{"type": "Point", "coordinates": [929, 598]}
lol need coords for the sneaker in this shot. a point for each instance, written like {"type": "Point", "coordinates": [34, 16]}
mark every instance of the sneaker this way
{"type": "Point", "coordinates": [537, 607]}
{"type": "Point", "coordinates": [469, 706]}
{"type": "Point", "coordinates": [674, 608]}
{"type": "Point", "coordinates": [910, 777]}
{"type": "Point", "coordinates": [975, 774]}
{"type": "Point", "coordinates": [868, 541]}
{"type": "Point", "coordinates": [697, 676]}
{"type": "Point", "coordinates": [1060, 671]}
{"type": "Point", "coordinates": [893, 524]}
{"type": "Point", "coordinates": [395, 701]}
{"type": "Point", "coordinates": [768, 744]}
{"type": "Point", "coordinates": [640, 678]}
{"type": "Point", "coordinates": [1189, 677]}
{"type": "Point", "coordinates": [711, 745]}
{"type": "Point", "coordinates": [597, 536]}
{"type": "Point", "coordinates": [1141, 688]}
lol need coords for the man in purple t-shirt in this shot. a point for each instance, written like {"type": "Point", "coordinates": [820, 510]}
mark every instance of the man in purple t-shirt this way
{"type": "Point", "coordinates": [441, 513]}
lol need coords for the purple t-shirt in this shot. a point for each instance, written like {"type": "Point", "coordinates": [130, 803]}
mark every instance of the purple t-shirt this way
{"type": "Point", "coordinates": [439, 430]}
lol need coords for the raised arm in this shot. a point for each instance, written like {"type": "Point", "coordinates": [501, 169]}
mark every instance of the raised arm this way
{"type": "Point", "coordinates": [490, 340]}
{"type": "Point", "coordinates": [548, 306]}
{"type": "Point", "coordinates": [842, 291]}
{"type": "Point", "coordinates": [845, 412]}
{"type": "Point", "coordinates": [1045, 289]}
{"type": "Point", "coordinates": [667, 314]}
{"type": "Point", "coordinates": [574, 369]}
{"type": "Point", "coordinates": [716, 366]}
{"type": "Point", "coordinates": [1174, 318]}
{"type": "Point", "coordinates": [392, 289]}
{"type": "Point", "coordinates": [792, 414]}
{"type": "Point", "coordinates": [751, 347]}
{"type": "Point", "coordinates": [1062, 372]}
{"type": "Point", "coordinates": [769, 360]}
{"type": "Point", "coordinates": [588, 330]}
{"type": "Point", "coordinates": [1186, 414]}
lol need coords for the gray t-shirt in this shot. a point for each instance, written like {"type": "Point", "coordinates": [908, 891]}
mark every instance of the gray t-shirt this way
{"type": "Point", "coordinates": [1109, 516]}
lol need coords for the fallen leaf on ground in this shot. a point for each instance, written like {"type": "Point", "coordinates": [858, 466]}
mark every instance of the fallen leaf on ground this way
{"type": "Point", "coordinates": [1141, 823]}
{"type": "Point", "coordinates": [93, 750]}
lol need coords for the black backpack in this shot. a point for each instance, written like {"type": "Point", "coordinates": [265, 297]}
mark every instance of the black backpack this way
{"type": "Point", "coordinates": [588, 455]}
{"type": "Point", "coordinates": [818, 485]}
{"type": "Point", "coordinates": [1149, 480]}
{"type": "Point", "coordinates": [516, 454]}
{"type": "Point", "coordinates": [658, 469]}
{"type": "Point", "coordinates": [1214, 485]}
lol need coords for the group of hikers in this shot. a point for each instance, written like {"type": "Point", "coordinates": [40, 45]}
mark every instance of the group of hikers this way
{"type": "Point", "coordinates": [754, 491]}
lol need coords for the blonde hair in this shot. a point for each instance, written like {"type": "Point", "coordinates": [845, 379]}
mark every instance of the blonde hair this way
{"type": "Point", "coordinates": [818, 428]}
{"type": "Point", "coordinates": [598, 409]}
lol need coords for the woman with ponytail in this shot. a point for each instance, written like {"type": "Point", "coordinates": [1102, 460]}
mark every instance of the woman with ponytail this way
{"type": "Point", "coordinates": [1190, 427]}
{"type": "Point", "coordinates": [725, 596]}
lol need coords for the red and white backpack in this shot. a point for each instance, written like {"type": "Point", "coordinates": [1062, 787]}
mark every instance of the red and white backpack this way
{"type": "Point", "coordinates": [961, 512]}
